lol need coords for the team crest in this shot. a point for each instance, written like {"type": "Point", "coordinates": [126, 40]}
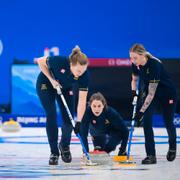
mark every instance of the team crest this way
{"type": "Point", "coordinates": [147, 72]}
{"type": "Point", "coordinates": [43, 86]}
{"type": "Point", "coordinates": [76, 78]}
{"type": "Point", "coordinates": [107, 121]}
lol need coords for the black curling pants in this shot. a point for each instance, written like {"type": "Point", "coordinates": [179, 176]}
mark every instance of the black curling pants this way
{"type": "Point", "coordinates": [168, 105]}
{"type": "Point", "coordinates": [48, 96]}
{"type": "Point", "coordinates": [108, 142]}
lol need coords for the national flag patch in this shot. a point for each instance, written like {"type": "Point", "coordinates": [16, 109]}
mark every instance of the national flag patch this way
{"type": "Point", "coordinates": [62, 71]}
{"type": "Point", "coordinates": [171, 101]}
{"type": "Point", "coordinates": [70, 93]}
{"type": "Point", "coordinates": [94, 121]}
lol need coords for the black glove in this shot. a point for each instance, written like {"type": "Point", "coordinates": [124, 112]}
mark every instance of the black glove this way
{"type": "Point", "coordinates": [138, 118]}
{"type": "Point", "coordinates": [77, 127]}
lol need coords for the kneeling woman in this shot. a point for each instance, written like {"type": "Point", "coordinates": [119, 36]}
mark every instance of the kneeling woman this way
{"type": "Point", "coordinates": [106, 126]}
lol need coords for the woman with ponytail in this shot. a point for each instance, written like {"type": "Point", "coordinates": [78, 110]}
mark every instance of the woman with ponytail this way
{"type": "Point", "coordinates": [158, 89]}
{"type": "Point", "coordinates": [66, 72]}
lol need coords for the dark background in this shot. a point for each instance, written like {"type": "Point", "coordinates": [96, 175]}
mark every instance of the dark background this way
{"type": "Point", "coordinates": [115, 84]}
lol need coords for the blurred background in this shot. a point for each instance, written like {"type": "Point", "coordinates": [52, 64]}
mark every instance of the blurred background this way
{"type": "Point", "coordinates": [104, 29]}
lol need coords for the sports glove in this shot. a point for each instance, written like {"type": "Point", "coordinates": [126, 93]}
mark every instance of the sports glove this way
{"type": "Point", "coordinates": [138, 118]}
{"type": "Point", "coordinates": [77, 127]}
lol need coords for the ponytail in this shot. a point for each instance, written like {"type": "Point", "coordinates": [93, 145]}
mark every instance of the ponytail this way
{"type": "Point", "coordinates": [140, 49]}
{"type": "Point", "coordinates": [77, 56]}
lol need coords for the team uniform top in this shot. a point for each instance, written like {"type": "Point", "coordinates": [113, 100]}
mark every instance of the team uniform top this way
{"type": "Point", "coordinates": [60, 68]}
{"type": "Point", "coordinates": [153, 71]}
{"type": "Point", "coordinates": [108, 122]}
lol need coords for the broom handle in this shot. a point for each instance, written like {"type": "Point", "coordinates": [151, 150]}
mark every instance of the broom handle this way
{"type": "Point", "coordinates": [132, 126]}
{"type": "Point", "coordinates": [59, 92]}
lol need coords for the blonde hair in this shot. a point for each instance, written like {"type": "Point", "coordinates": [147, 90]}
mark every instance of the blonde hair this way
{"type": "Point", "coordinates": [140, 49]}
{"type": "Point", "coordinates": [77, 56]}
{"type": "Point", "coordinates": [99, 97]}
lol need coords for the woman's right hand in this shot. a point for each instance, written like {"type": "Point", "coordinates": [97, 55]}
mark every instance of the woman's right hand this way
{"type": "Point", "coordinates": [55, 83]}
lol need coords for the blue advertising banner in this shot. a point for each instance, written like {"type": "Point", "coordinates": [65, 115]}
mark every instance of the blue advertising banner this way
{"type": "Point", "coordinates": [27, 121]}
{"type": "Point", "coordinates": [24, 98]}
{"type": "Point", "coordinates": [158, 120]}
{"type": "Point", "coordinates": [40, 121]}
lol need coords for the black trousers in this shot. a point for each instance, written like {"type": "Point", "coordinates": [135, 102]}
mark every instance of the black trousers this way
{"type": "Point", "coordinates": [108, 142]}
{"type": "Point", "coordinates": [168, 109]}
{"type": "Point", "coordinates": [48, 97]}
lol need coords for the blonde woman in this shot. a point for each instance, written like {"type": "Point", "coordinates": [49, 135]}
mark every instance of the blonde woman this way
{"type": "Point", "coordinates": [159, 90]}
{"type": "Point", "coordinates": [67, 71]}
